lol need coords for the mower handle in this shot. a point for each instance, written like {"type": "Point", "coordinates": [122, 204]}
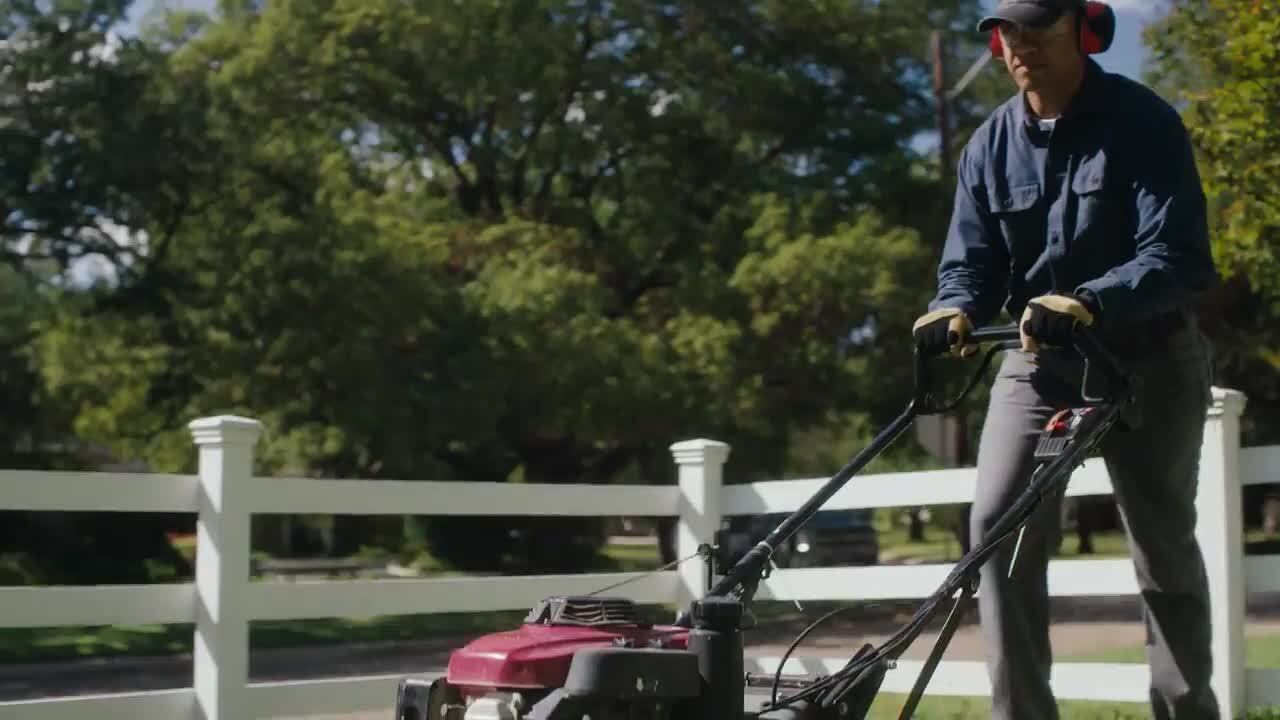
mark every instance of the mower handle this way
{"type": "Point", "coordinates": [1008, 337]}
{"type": "Point", "coordinates": [746, 572]}
{"type": "Point", "coordinates": [1087, 343]}
{"type": "Point", "coordinates": [1003, 335]}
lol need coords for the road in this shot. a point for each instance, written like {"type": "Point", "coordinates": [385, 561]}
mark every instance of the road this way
{"type": "Point", "coordinates": [1087, 626]}
{"type": "Point", "coordinates": [1068, 639]}
{"type": "Point", "coordinates": [84, 677]}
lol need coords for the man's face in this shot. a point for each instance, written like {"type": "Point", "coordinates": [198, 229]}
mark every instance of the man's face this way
{"type": "Point", "coordinates": [1041, 58]}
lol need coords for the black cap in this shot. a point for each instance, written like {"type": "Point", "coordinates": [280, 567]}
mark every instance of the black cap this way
{"type": "Point", "coordinates": [1032, 13]}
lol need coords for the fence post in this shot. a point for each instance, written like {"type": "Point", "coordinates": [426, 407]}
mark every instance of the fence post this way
{"type": "Point", "coordinates": [701, 469]}
{"type": "Point", "coordinates": [1220, 532]}
{"type": "Point", "coordinates": [221, 650]}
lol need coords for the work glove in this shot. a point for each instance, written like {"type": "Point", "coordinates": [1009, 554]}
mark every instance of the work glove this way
{"type": "Point", "coordinates": [1051, 320]}
{"type": "Point", "coordinates": [945, 330]}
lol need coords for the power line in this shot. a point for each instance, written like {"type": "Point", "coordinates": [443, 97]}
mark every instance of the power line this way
{"type": "Point", "coordinates": [969, 75]}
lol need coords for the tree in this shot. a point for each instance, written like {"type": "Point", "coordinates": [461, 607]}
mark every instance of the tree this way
{"type": "Point", "coordinates": [90, 146]}
{"type": "Point", "coordinates": [88, 160]}
{"type": "Point", "coordinates": [1216, 60]}
{"type": "Point", "coordinates": [529, 241]}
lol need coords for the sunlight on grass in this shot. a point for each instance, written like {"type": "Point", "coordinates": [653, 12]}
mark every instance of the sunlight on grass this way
{"type": "Point", "coordinates": [634, 558]}
{"type": "Point", "coordinates": [1262, 650]}
{"type": "Point", "coordinates": [940, 546]}
{"type": "Point", "coordinates": [887, 706]}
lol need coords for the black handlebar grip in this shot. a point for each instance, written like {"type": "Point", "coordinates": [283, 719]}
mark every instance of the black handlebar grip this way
{"type": "Point", "coordinates": [996, 334]}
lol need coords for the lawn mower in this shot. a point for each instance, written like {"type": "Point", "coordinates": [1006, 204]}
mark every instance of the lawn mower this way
{"type": "Point", "coordinates": [594, 656]}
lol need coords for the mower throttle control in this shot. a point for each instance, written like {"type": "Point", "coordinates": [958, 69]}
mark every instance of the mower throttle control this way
{"type": "Point", "coordinates": [1059, 432]}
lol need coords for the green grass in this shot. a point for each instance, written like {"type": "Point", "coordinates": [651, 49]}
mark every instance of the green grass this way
{"type": "Point", "coordinates": [634, 558]}
{"type": "Point", "coordinates": [887, 706]}
{"type": "Point", "coordinates": [940, 546]}
{"type": "Point", "coordinates": [1261, 650]}
{"type": "Point", "coordinates": [35, 644]}
{"type": "Point", "coordinates": [61, 643]}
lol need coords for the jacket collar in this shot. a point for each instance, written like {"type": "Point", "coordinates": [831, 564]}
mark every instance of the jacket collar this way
{"type": "Point", "coordinates": [1086, 101]}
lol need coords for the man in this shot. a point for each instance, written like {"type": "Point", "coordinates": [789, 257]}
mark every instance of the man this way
{"type": "Point", "coordinates": [1078, 202]}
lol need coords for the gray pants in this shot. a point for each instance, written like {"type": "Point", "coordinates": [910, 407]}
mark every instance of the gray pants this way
{"type": "Point", "coordinates": [1154, 472]}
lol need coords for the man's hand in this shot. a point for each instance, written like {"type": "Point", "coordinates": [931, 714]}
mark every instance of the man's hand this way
{"type": "Point", "coordinates": [944, 330]}
{"type": "Point", "coordinates": [1050, 320]}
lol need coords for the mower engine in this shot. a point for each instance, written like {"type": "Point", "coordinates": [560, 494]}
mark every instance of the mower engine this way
{"type": "Point", "coordinates": [573, 657]}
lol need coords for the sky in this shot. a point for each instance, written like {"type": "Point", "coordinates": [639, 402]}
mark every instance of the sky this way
{"type": "Point", "coordinates": [1127, 53]}
{"type": "Point", "coordinates": [1125, 57]}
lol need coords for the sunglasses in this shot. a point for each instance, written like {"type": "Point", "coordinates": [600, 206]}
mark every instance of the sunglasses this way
{"type": "Point", "coordinates": [1013, 33]}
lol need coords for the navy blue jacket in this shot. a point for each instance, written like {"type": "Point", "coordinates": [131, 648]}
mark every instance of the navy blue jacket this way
{"type": "Point", "coordinates": [1108, 204]}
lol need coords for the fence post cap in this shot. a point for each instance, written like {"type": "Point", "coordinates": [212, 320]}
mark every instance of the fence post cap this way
{"type": "Point", "coordinates": [1227, 402]}
{"type": "Point", "coordinates": [699, 450]}
{"type": "Point", "coordinates": [225, 430]}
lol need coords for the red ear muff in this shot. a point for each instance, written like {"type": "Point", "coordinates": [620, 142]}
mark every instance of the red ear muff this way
{"type": "Point", "coordinates": [1099, 28]}
{"type": "Point", "coordinates": [1095, 37]}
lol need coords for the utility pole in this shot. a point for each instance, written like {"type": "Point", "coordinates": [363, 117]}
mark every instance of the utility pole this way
{"type": "Point", "coordinates": [940, 94]}
{"type": "Point", "coordinates": [959, 419]}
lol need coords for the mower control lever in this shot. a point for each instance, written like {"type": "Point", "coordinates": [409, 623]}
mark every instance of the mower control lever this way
{"type": "Point", "coordinates": [925, 401]}
{"type": "Point", "coordinates": [1006, 336]}
{"type": "Point", "coordinates": [745, 575]}
{"type": "Point", "coordinates": [1097, 359]}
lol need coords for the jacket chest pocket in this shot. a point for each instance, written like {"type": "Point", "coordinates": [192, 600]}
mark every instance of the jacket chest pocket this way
{"type": "Point", "coordinates": [1090, 185]}
{"type": "Point", "coordinates": [1019, 212]}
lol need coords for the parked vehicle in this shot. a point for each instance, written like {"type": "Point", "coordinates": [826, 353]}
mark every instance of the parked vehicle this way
{"type": "Point", "coordinates": [831, 538]}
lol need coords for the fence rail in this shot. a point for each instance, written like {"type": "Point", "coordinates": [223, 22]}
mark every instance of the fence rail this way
{"type": "Point", "coordinates": [222, 601]}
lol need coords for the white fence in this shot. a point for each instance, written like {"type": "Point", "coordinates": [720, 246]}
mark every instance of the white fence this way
{"type": "Point", "coordinates": [222, 601]}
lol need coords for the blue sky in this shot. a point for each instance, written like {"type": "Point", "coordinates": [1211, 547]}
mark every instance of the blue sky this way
{"type": "Point", "coordinates": [1127, 53]}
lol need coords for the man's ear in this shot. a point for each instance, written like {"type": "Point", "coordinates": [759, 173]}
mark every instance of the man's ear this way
{"type": "Point", "coordinates": [1097, 27]}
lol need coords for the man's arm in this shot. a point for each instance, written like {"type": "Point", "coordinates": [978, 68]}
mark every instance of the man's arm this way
{"type": "Point", "coordinates": [973, 272]}
{"type": "Point", "coordinates": [1173, 260]}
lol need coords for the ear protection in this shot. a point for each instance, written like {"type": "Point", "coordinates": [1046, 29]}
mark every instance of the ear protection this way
{"type": "Point", "coordinates": [1096, 35]}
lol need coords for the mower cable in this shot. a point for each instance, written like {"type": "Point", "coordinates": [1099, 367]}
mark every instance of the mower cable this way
{"type": "Point", "coordinates": [1017, 515]}
{"type": "Point", "coordinates": [890, 646]}
{"type": "Point", "coordinates": [646, 574]}
{"type": "Point", "coordinates": [948, 589]}
{"type": "Point", "coordinates": [973, 381]}
{"type": "Point", "coordinates": [777, 676]}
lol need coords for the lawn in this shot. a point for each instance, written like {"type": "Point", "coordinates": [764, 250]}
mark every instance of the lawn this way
{"type": "Point", "coordinates": [887, 707]}
{"type": "Point", "coordinates": [46, 644]}
{"type": "Point", "coordinates": [32, 644]}
{"type": "Point", "coordinates": [940, 546]}
{"type": "Point", "coordinates": [1260, 650]}
{"type": "Point", "coordinates": [27, 644]}
{"type": "Point", "coordinates": [59, 643]}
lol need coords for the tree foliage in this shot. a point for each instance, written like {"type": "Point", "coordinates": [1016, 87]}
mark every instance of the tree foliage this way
{"type": "Point", "coordinates": [1216, 59]}
{"type": "Point", "coordinates": [500, 241]}
{"type": "Point", "coordinates": [89, 144]}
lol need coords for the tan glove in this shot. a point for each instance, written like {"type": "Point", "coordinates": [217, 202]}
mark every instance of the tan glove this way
{"type": "Point", "coordinates": [943, 331]}
{"type": "Point", "coordinates": [1051, 320]}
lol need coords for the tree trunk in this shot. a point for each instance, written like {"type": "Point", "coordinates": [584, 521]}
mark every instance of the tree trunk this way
{"type": "Point", "coordinates": [915, 531]}
{"type": "Point", "coordinates": [1085, 512]}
